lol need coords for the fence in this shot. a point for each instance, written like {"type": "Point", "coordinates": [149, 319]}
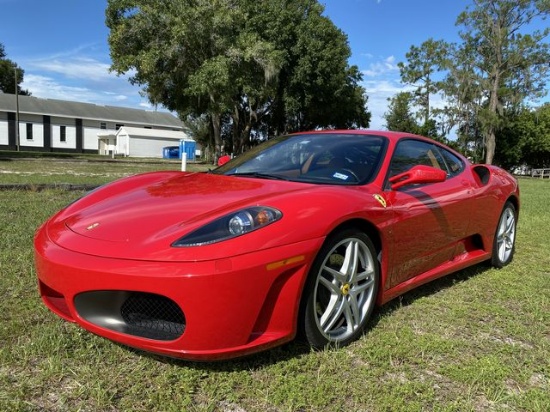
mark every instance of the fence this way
{"type": "Point", "coordinates": [542, 173]}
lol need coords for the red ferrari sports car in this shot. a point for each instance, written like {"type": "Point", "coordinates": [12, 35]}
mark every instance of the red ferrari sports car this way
{"type": "Point", "coordinates": [304, 234]}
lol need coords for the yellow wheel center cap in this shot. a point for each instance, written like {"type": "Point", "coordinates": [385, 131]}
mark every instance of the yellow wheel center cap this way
{"type": "Point", "coordinates": [345, 289]}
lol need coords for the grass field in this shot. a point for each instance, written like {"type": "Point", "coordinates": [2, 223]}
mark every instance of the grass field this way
{"type": "Point", "coordinates": [478, 340]}
{"type": "Point", "coordinates": [87, 169]}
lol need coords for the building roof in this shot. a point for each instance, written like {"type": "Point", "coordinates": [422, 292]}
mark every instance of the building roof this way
{"type": "Point", "coordinates": [89, 111]}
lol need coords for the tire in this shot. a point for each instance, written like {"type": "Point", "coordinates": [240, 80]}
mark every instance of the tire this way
{"type": "Point", "coordinates": [340, 292]}
{"type": "Point", "coordinates": [504, 243]}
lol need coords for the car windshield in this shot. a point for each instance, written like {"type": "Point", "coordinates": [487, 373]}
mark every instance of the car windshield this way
{"type": "Point", "coordinates": [324, 158]}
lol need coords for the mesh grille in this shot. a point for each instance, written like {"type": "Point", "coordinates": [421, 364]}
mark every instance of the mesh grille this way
{"type": "Point", "coordinates": [152, 316]}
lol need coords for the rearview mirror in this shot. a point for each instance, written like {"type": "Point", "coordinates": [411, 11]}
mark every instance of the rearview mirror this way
{"type": "Point", "coordinates": [418, 175]}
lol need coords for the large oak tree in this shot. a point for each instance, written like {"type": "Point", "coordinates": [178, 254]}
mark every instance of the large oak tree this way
{"type": "Point", "coordinates": [252, 68]}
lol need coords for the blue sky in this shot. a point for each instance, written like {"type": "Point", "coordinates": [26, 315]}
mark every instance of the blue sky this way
{"type": "Point", "coordinates": [62, 45]}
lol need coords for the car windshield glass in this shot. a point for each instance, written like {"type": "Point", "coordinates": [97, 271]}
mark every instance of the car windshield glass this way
{"type": "Point", "coordinates": [333, 158]}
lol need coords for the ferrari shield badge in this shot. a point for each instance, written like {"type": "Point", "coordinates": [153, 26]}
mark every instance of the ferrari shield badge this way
{"type": "Point", "coordinates": [380, 199]}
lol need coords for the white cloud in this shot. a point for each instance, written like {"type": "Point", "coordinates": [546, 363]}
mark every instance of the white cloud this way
{"type": "Point", "coordinates": [78, 77]}
{"type": "Point", "coordinates": [382, 67]}
{"type": "Point", "coordinates": [48, 87]}
{"type": "Point", "coordinates": [381, 80]}
{"type": "Point", "coordinates": [379, 93]}
{"type": "Point", "coordinates": [74, 68]}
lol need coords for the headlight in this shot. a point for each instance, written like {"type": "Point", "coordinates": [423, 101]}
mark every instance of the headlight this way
{"type": "Point", "coordinates": [230, 226]}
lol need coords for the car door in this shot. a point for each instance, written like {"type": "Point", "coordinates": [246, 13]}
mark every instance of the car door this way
{"type": "Point", "coordinates": [428, 219]}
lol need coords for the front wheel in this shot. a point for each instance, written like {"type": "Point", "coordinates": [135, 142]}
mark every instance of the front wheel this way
{"type": "Point", "coordinates": [505, 237]}
{"type": "Point", "coordinates": [341, 290]}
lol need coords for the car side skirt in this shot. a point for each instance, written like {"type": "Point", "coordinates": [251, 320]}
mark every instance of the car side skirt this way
{"type": "Point", "coordinates": [458, 263]}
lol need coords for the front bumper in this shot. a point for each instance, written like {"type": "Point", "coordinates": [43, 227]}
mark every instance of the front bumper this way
{"type": "Point", "coordinates": [220, 308]}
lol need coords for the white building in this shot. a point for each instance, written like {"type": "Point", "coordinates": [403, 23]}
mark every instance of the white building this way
{"type": "Point", "coordinates": [65, 126]}
{"type": "Point", "coordinates": [140, 142]}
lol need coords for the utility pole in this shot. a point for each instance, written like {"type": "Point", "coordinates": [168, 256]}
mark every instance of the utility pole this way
{"type": "Point", "coordinates": [17, 142]}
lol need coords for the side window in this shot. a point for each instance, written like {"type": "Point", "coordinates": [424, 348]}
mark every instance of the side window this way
{"type": "Point", "coordinates": [410, 153]}
{"type": "Point", "coordinates": [454, 164]}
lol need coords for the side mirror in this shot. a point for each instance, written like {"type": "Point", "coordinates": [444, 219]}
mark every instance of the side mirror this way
{"type": "Point", "coordinates": [418, 175]}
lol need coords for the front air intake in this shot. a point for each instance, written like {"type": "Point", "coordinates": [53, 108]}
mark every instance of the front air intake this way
{"type": "Point", "coordinates": [142, 314]}
{"type": "Point", "coordinates": [152, 316]}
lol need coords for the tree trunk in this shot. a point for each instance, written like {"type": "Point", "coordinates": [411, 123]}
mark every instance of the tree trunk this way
{"type": "Point", "coordinates": [245, 137]}
{"type": "Point", "coordinates": [490, 138]}
{"type": "Point", "coordinates": [490, 146]}
{"type": "Point", "coordinates": [216, 129]}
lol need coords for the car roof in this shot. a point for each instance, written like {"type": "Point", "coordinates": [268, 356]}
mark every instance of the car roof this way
{"type": "Point", "coordinates": [367, 132]}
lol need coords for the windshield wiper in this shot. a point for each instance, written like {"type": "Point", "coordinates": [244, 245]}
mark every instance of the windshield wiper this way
{"type": "Point", "coordinates": [259, 175]}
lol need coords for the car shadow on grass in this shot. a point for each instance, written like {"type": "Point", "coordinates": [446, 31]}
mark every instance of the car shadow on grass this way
{"type": "Point", "coordinates": [297, 348]}
{"type": "Point", "coordinates": [427, 289]}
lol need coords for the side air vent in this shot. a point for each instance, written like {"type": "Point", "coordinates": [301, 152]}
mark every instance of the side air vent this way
{"type": "Point", "coordinates": [482, 174]}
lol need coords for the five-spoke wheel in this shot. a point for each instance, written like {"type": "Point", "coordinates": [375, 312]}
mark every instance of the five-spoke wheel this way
{"type": "Point", "coordinates": [505, 237]}
{"type": "Point", "coordinates": [341, 290]}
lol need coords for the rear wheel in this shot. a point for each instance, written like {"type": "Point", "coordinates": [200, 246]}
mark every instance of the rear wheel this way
{"type": "Point", "coordinates": [341, 290]}
{"type": "Point", "coordinates": [505, 237]}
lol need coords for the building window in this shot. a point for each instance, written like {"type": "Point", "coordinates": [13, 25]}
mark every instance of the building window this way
{"type": "Point", "coordinates": [29, 131]}
{"type": "Point", "coordinates": [118, 126]}
{"type": "Point", "coordinates": [63, 133]}
{"type": "Point", "coordinates": [103, 126]}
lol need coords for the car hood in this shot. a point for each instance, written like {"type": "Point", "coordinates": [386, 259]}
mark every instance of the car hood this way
{"type": "Point", "coordinates": [141, 215]}
{"type": "Point", "coordinates": [178, 201]}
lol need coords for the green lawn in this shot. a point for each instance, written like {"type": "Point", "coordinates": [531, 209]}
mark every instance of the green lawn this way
{"type": "Point", "coordinates": [44, 169]}
{"type": "Point", "coordinates": [478, 340]}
